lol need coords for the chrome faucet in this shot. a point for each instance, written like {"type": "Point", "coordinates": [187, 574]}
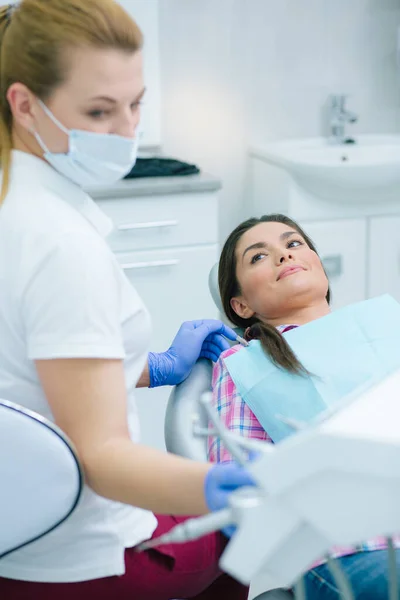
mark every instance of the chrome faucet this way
{"type": "Point", "coordinates": [338, 117]}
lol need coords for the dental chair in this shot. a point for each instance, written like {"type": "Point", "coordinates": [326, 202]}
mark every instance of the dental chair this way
{"type": "Point", "coordinates": [184, 409]}
{"type": "Point", "coordinates": [41, 479]}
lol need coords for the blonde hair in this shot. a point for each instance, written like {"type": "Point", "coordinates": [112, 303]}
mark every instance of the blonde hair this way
{"type": "Point", "coordinates": [34, 37]}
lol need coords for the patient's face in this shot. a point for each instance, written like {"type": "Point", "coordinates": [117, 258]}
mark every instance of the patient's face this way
{"type": "Point", "coordinates": [277, 272]}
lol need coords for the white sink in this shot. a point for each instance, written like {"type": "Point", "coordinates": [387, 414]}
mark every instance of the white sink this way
{"type": "Point", "coordinates": [366, 171]}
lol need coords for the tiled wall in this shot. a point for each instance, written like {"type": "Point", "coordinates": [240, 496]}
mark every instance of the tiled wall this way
{"type": "Point", "coordinates": [237, 72]}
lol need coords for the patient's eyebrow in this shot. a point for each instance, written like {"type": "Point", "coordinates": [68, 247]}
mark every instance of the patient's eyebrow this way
{"type": "Point", "coordinates": [256, 246]}
{"type": "Point", "coordinates": [264, 245]}
{"type": "Point", "coordinates": [287, 234]}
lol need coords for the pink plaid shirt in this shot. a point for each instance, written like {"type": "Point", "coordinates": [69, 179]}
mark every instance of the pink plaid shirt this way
{"type": "Point", "coordinates": [238, 418]}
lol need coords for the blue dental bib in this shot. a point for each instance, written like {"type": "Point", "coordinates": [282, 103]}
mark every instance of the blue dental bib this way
{"type": "Point", "coordinates": [342, 351]}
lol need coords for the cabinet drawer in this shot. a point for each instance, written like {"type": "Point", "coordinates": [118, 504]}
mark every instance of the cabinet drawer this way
{"type": "Point", "coordinates": [342, 246]}
{"type": "Point", "coordinates": [162, 221]}
{"type": "Point", "coordinates": [173, 285]}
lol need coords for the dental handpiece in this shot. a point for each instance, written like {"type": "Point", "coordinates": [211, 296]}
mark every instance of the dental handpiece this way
{"type": "Point", "coordinates": [241, 500]}
{"type": "Point", "coordinates": [192, 529]}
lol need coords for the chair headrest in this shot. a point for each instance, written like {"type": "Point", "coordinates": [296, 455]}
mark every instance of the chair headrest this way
{"type": "Point", "coordinates": [214, 288]}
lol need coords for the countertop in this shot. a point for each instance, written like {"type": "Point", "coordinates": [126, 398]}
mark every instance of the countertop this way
{"type": "Point", "coordinates": [156, 186]}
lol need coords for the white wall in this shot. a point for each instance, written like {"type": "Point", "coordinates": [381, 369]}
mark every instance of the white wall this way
{"type": "Point", "coordinates": [236, 72]}
{"type": "Point", "coordinates": [145, 12]}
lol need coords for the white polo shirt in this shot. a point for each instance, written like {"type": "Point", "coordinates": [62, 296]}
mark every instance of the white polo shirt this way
{"type": "Point", "coordinates": [63, 295]}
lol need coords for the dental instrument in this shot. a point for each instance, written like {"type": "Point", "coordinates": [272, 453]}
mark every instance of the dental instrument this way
{"type": "Point", "coordinates": [191, 529]}
{"type": "Point", "coordinates": [245, 499]}
{"type": "Point", "coordinates": [240, 340]}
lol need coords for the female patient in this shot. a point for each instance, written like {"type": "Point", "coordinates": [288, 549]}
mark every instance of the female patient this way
{"type": "Point", "coordinates": [271, 279]}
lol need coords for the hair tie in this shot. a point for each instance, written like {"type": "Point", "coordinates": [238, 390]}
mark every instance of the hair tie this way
{"type": "Point", "coordinates": [251, 333]}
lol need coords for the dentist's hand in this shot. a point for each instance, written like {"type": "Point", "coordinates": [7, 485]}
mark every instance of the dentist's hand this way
{"type": "Point", "coordinates": [221, 480]}
{"type": "Point", "coordinates": [194, 340]}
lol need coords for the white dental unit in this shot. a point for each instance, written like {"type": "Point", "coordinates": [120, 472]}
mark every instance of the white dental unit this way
{"type": "Point", "coordinates": [312, 491]}
{"type": "Point", "coordinates": [316, 484]}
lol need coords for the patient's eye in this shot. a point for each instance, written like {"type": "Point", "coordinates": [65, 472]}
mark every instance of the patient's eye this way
{"type": "Point", "coordinates": [295, 243]}
{"type": "Point", "coordinates": [257, 257]}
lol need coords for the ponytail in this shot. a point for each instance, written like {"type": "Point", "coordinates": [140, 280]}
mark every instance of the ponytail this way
{"type": "Point", "coordinates": [275, 347]}
{"type": "Point", "coordinates": [5, 115]}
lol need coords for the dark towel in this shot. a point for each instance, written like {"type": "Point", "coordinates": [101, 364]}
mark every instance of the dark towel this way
{"type": "Point", "coordinates": [161, 167]}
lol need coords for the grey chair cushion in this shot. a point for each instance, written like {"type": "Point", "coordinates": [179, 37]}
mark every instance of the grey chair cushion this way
{"type": "Point", "coordinates": [214, 288]}
{"type": "Point", "coordinates": [183, 405]}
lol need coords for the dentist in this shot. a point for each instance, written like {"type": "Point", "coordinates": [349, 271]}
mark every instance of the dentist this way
{"type": "Point", "coordinates": [73, 332]}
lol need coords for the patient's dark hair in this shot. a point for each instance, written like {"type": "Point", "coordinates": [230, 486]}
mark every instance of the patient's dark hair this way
{"type": "Point", "coordinates": [273, 343]}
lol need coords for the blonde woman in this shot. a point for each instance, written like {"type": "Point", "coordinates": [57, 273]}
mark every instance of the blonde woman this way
{"type": "Point", "coordinates": [73, 333]}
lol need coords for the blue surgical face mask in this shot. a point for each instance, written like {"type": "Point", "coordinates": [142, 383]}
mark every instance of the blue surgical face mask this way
{"type": "Point", "coordinates": [92, 158]}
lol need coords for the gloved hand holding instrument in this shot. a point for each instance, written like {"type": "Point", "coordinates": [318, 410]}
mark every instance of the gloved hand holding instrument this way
{"type": "Point", "coordinates": [194, 340]}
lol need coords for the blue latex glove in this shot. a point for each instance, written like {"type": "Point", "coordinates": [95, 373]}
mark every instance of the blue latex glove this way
{"type": "Point", "coordinates": [194, 340]}
{"type": "Point", "coordinates": [221, 480]}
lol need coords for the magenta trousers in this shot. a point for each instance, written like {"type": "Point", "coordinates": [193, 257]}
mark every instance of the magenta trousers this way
{"type": "Point", "coordinates": [169, 572]}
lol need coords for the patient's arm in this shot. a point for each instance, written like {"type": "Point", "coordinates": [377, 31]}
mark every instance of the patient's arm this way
{"type": "Point", "coordinates": [232, 410]}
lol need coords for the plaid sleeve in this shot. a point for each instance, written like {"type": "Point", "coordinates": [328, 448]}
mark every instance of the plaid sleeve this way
{"type": "Point", "coordinates": [232, 410]}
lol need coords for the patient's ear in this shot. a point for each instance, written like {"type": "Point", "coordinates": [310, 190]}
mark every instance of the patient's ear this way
{"type": "Point", "coordinates": [241, 308]}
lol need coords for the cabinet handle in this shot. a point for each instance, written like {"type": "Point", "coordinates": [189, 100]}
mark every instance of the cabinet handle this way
{"type": "Point", "coordinates": [333, 265]}
{"type": "Point", "coordinates": [149, 225]}
{"type": "Point", "coordinates": [150, 264]}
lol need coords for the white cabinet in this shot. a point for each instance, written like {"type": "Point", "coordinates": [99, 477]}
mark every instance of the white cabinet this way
{"type": "Point", "coordinates": [342, 246]}
{"type": "Point", "coordinates": [384, 257]}
{"type": "Point", "coordinates": [162, 221]}
{"type": "Point", "coordinates": [166, 245]}
{"type": "Point", "coordinates": [361, 256]}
